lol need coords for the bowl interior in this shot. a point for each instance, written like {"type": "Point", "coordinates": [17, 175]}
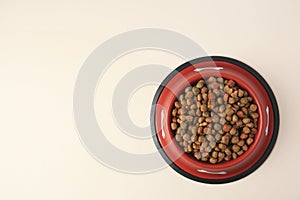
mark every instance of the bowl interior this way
{"type": "Point", "coordinates": [190, 74]}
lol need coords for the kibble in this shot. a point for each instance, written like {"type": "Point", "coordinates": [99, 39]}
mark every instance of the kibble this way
{"type": "Point", "coordinates": [233, 131]}
{"type": "Point", "coordinates": [243, 136]}
{"type": "Point", "coordinates": [234, 139]}
{"type": "Point", "coordinates": [173, 126]}
{"type": "Point", "coordinates": [249, 141]}
{"type": "Point", "coordinates": [246, 130]}
{"type": "Point", "coordinates": [214, 120]}
{"type": "Point", "coordinates": [235, 148]}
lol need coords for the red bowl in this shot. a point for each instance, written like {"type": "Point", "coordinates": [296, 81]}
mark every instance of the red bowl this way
{"type": "Point", "coordinates": [247, 78]}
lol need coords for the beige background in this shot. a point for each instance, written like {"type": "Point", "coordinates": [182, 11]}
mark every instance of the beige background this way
{"type": "Point", "coordinates": [44, 43]}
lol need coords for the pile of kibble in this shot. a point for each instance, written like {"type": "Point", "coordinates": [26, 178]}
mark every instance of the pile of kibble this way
{"type": "Point", "coordinates": [214, 120]}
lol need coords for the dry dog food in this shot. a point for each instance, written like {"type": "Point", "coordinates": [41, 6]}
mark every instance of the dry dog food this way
{"type": "Point", "coordinates": [214, 120]}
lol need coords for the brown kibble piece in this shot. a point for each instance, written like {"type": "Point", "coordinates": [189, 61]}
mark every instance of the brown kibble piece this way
{"type": "Point", "coordinates": [243, 136]}
{"type": "Point", "coordinates": [205, 114]}
{"type": "Point", "coordinates": [234, 155]}
{"type": "Point", "coordinates": [222, 146]}
{"type": "Point", "coordinates": [235, 148]}
{"type": "Point", "coordinates": [212, 144]}
{"type": "Point", "coordinates": [228, 157]}
{"type": "Point", "coordinates": [226, 128]}
{"type": "Point", "coordinates": [200, 130]}
{"type": "Point", "coordinates": [205, 155]}
{"type": "Point", "coordinates": [225, 97]}
{"type": "Point", "coordinates": [222, 108]}
{"type": "Point", "coordinates": [196, 146]}
{"type": "Point", "coordinates": [187, 89]}
{"type": "Point", "coordinates": [217, 91]}
{"type": "Point", "coordinates": [218, 137]}
{"type": "Point", "coordinates": [239, 124]}
{"type": "Point", "coordinates": [234, 139]}
{"type": "Point", "coordinates": [253, 107]}
{"type": "Point", "coordinates": [189, 94]}
{"type": "Point", "coordinates": [204, 97]}
{"type": "Point", "coordinates": [250, 125]}
{"type": "Point", "coordinates": [201, 139]}
{"type": "Point", "coordinates": [231, 100]}
{"type": "Point", "coordinates": [213, 160]}
{"type": "Point", "coordinates": [230, 112]}
{"type": "Point", "coordinates": [253, 131]}
{"type": "Point", "coordinates": [225, 139]}
{"type": "Point", "coordinates": [234, 94]}
{"type": "Point", "coordinates": [208, 119]}
{"type": "Point", "coordinates": [235, 118]}
{"type": "Point", "coordinates": [240, 93]}
{"type": "Point", "coordinates": [245, 110]}
{"type": "Point", "coordinates": [254, 115]}
{"type": "Point", "coordinates": [246, 120]}
{"type": "Point", "coordinates": [214, 154]}
{"type": "Point", "coordinates": [194, 138]}
{"type": "Point", "coordinates": [210, 138]}
{"type": "Point", "coordinates": [217, 127]}
{"type": "Point", "coordinates": [227, 151]}
{"type": "Point", "coordinates": [174, 112]}
{"type": "Point", "coordinates": [244, 100]}
{"type": "Point", "coordinates": [221, 155]}
{"type": "Point", "coordinates": [241, 143]}
{"type": "Point", "coordinates": [249, 141]}
{"type": "Point", "coordinates": [240, 152]}
{"type": "Point", "coordinates": [173, 126]}
{"type": "Point", "coordinates": [217, 149]}
{"type": "Point", "coordinates": [185, 143]}
{"type": "Point", "coordinates": [204, 90]}
{"type": "Point", "coordinates": [194, 130]}
{"type": "Point", "coordinates": [232, 131]}
{"type": "Point", "coordinates": [208, 149]}
{"type": "Point", "coordinates": [222, 121]}
{"type": "Point", "coordinates": [231, 83]}
{"type": "Point", "coordinates": [204, 158]}
{"type": "Point", "coordinates": [246, 130]}
{"type": "Point", "coordinates": [196, 90]}
{"type": "Point", "coordinates": [177, 104]}
{"type": "Point", "coordinates": [220, 80]}
{"type": "Point", "coordinates": [211, 79]}
{"type": "Point", "coordinates": [199, 97]}
{"type": "Point", "coordinates": [220, 100]}
{"type": "Point", "coordinates": [203, 108]}
{"type": "Point", "coordinates": [178, 138]}
{"type": "Point", "coordinates": [183, 126]}
{"type": "Point", "coordinates": [197, 155]}
{"type": "Point", "coordinates": [193, 106]}
{"type": "Point", "coordinates": [245, 147]}
{"type": "Point", "coordinates": [186, 137]}
{"type": "Point", "coordinates": [201, 119]}
{"type": "Point", "coordinates": [215, 118]}
{"type": "Point", "coordinates": [189, 118]}
{"type": "Point", "coordinates": [189, 101]}
{"type": "Point", "coordinates": [200, 84]}
{"type": "Point", "coordinates": [203, 124]}
{"type": "Point", "coordinates": [214, 85]}
{"type": "Point", "coordinates": [240, 114]}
